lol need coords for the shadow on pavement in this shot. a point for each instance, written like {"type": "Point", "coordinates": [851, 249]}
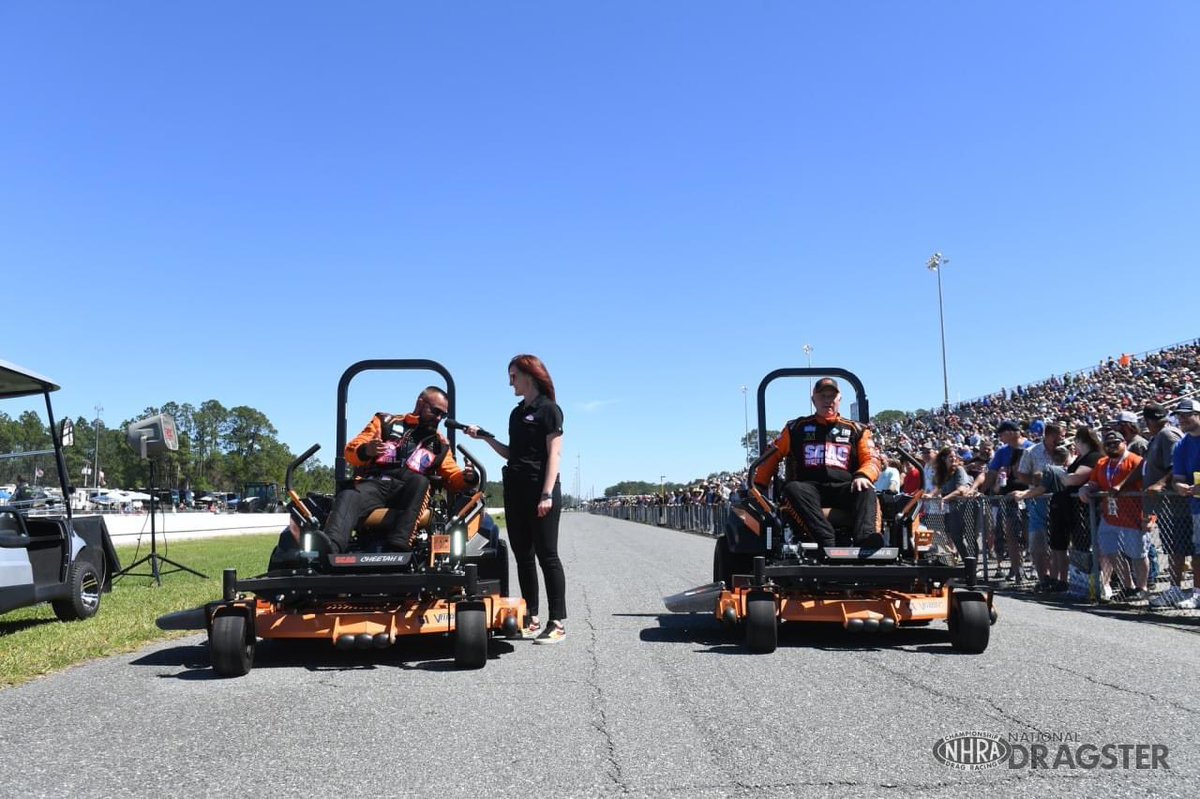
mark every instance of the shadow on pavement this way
{"type": "Point", "coordinates": [424, 653]}
{"type": "Point", "coordinates": [1135, 612]}
{"type": "Point", "coordinates": [698, 628]}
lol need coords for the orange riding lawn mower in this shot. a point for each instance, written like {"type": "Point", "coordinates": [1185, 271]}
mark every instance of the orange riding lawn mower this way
{"type": "Point", "coordinates": [453, 582]}
{"type": "Point", "coordinates": [765, 572]}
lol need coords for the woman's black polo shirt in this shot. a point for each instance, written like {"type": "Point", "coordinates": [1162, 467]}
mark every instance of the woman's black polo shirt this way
{"type": "Point", "coordinates": [528, 426]}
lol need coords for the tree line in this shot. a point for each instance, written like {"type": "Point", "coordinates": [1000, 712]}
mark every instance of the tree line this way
{"type": "Point", "coordinates": [220, 449]}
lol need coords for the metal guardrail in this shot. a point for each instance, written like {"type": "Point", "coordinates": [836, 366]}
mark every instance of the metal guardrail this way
{"type": "Point", "coordinates": [691, 517]}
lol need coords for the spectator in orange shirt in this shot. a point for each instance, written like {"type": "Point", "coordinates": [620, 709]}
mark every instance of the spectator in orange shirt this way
{"type": "Point", "coordinates": [1118, 474]}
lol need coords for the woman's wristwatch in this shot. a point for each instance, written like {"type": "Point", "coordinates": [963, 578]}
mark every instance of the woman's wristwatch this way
{"type": "Point", "coordinates": [547, 496]}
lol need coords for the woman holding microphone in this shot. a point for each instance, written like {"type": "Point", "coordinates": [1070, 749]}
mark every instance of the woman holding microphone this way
{"type": "Point", "coordinates": [533, 493]}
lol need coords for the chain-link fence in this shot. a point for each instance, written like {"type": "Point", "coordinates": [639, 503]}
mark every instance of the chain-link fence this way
{"type": "Point", "coordinates": [1134, 550]}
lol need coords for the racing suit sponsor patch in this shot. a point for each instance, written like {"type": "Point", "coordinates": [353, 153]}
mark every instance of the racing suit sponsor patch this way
{"type": "Point", "coordinates": [827, 453]}
{"type": "Point", "coordinates": [420, 460]}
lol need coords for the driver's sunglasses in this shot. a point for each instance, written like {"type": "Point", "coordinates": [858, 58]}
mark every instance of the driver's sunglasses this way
{"type": "Point", "coordinates": [437, 412]}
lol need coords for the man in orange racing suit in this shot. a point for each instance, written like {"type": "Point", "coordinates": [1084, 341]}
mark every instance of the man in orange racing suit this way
{"type": "Point", "coordinates": [830, 463]}
{"type": "Point", "coordinates": [391, 458]}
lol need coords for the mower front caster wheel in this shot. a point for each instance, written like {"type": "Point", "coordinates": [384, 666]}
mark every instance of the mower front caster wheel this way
{"type": "Point", "coordinates": [230, 647]}
{"type": "Point", "coordinates": [762, 631]}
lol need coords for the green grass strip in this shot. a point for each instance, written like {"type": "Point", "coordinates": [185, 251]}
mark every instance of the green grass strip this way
{"type": "Point", "coordinates": [34, 643]}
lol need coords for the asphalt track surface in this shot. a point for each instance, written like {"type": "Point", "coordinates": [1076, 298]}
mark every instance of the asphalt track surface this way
{"type": "Point", "coordinates": [635, 702]}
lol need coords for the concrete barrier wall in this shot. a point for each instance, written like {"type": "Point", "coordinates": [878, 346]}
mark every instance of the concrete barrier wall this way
{"type": "Point", "coordinates": [125, 529]}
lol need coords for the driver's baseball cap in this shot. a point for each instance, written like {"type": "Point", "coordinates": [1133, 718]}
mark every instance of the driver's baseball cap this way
{"type": "Point", "coordinates": [825, 383]}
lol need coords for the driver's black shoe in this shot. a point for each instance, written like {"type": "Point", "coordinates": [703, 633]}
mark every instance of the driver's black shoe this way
{"type": "Point", "coordinates": [871, 541]}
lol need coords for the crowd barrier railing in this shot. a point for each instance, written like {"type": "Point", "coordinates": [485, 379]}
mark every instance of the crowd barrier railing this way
{"type": "Point", "coordinates": [690, 517]}
{"type": "Point", "coordinates": [1062, 545]}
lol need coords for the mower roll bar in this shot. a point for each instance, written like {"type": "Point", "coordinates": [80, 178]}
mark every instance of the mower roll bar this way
{"type": "Point", "coordinates": [864, 412]}
{"type": "Point", "coordinates": [382, 364]}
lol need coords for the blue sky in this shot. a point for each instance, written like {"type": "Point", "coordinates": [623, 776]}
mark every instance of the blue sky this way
{"type": "Point", "coordinates": [665, 201]}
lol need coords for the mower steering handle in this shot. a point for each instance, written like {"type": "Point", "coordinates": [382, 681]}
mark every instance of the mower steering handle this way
{"type": "Point", "coordinates": [287, 479]}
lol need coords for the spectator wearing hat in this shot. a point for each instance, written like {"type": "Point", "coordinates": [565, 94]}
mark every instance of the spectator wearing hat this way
{"type": "Point", "coordinates": [1127, 425]}
{"type": "Point", "coordinates": [1120, 532]}
{"type": "Point", "coordinates": [928, 478]}
{"type": "Point", "coordinates": [1002, 479]}
{"type": "Point", "coordinates": [1186, 468]}
{"type": "Point", "coordinates": [1032, 468]}
{"type": "Point", "coordinates": [1163, 508]}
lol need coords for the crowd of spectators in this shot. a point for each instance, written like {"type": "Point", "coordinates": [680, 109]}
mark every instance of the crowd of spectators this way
{"type": "Point", "coordinates": [711, 491]}
{"type": "Point", "coordinates": [1059, 421]}
{"type": "Point", "coordinates": [1088, 398]}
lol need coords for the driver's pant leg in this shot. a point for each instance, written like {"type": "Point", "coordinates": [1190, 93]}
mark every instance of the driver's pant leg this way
{"type": "Point", "coordinates": [864, 507]}
{"type": "Point", "coordinates": [804, 503]}
{"type": "Point", "coordinates": [410, 498]}
{"type": "Point", "coordinates": [350, 505]}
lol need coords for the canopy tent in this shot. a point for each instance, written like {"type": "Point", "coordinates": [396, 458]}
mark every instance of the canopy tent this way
{"type": "Point", "coordinates": [17, 381]}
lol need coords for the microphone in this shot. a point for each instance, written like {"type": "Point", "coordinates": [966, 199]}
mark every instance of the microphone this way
{"type": "Point", "coordinates": [454, 424]}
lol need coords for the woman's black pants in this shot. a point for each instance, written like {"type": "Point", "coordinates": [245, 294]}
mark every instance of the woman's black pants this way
{"type": "Point", "coordinates": [535, 540]}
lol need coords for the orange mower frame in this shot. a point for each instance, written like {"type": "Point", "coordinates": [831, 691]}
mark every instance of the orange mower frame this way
{"type": "Point", "coordinates": [453, 583]}
{"type": "Point", "coordinates": [763, 578]}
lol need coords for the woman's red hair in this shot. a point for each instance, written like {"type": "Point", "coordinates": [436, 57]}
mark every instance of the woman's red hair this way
{"type": "Point", "coordinates": [533, 366]}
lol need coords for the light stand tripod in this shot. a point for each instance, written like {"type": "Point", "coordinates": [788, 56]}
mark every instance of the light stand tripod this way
{"type": "Point", "coordinates": [140, 431]}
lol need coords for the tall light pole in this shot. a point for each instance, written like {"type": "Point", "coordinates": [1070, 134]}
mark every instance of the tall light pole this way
{"type": "Point", "coordinates": [577, 488]}
{"type": "Point", "coordinates": [935, 264]}
{"type": "Point", "coordinates": [96, 473]}
{"type": "Point", "coordinates": [808, 349]}
{"type": "Point", "coordinates": [746, 424]}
